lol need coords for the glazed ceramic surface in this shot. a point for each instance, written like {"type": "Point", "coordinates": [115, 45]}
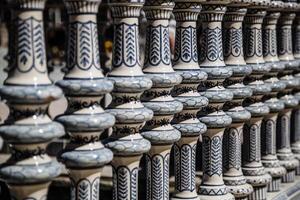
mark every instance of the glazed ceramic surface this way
{"type": "Point", "coordinates": [126, 142]}
{"type": "Point", "coordinates": [84, 86]}
{"type": "Point", "coordinates": [28, 92]}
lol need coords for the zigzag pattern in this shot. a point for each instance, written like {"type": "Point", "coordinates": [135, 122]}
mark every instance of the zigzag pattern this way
{"type": "Point", "coordinates": [226, 149]}
{"type": "Point", "coordinates": [148, 179]}
{"type": "Point", "coordinates": [39, 46]}
{"type": "Point", "coordinates": [270, 131]}
{"type": "Point", "coordinates": [186, 51]}
{"type": "Point", "coordinates": [193, 169]}
{"type": "Point", "coordinates": [83, 53]}
{"type": "Point", "coordinates": [134, 182]}
{"type": "Point", "coordinates": [95, 189]}
{"type": "Point", "coordinates": [115, 183]}
{"type": "Point", "coordinates": [83, 190]}
{"type": "Point", "coordinates": [273, 46]}
{"type": "Point", "coordinates": [259, 50]}
{"type": "Point", "coordinates": [96, 47]}
{"type": "Point", "coordinates": [154, 51]}
{"type": "Point", "coordinates": [284, 41]}
{"type": "Point", "coordinates": [122, 185]}
{"type": "Point", "coordinates": [177, 44]}
{"type": "Point", "coordinates": [166, 177]}
{"type": "Point", "coordinates": [284, 131]}
{"type": "Point", "coordinates": [233, 42]}
{"type": "Point", "coordinates": [118, 46]}
{"type": "Point", "coordinates": [202, 45]}
{"type": "Point", "coordinates": [186, 167]}
{"type": "Point", "coordinates": [214, 44]}
{"type": "Point", "coordinates": [24, 43]}
{"type": "Point", "coordinates": [166, 59]}
{"type": "Point", "coordinates": [212, 158]}
{"type": "Point", "coordinates": [157, 178]}
{"type": "Point", "coordinates": [84, 60]}
{"type": "Point", "coordinates": [254, 136]}
{"type": "Point", "coordinates": [177, 161]}
{"type": "Point", "coordinates": [250, 42]}
{"type": "Point", "coordinates": [158, 44]}
{"type": "Point", "coordinates": [130, 47]}
{"type": "Point", "coordinates": [289, 41]}
{"type": "Point", "coordinates": [194, 45]}
{"type": "Point", "coordinates": [234, 141]}
{"type": "Point", "coordinates": [72, 48]}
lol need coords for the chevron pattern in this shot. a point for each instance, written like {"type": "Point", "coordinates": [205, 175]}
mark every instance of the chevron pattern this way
{"type": "Point", "coordinates": [212, 156]}
{"type": "Point", "coordinates": [83, 190]}
{"type": "Point", "coordinates": [158, 177]}
{"type": "Point", "coordinates": [234, 146]}
{"type": "Point", "coordinates": [285, 41]}
{"type": "Point", "coordinates": [233, 42]}
{"type": "Point", "coordinates": [185, 167]}
{"type": "Point", "coordinates": [213, 44]}
{"type": "Point", "coordinates": [95, 189]}
{"type": "Point", "coordinates": [158, 44]}
{"type": "Point", "coordinates": [31, 45]}
{"type": "Point", "coordinates": [83, 46]}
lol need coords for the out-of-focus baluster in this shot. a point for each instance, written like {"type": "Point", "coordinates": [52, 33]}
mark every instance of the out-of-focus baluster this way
{"type": "Point", "coordinates": [252, 166]}
{"type": "Point", "coordinates": [285, 52]}
{"type": "Point", "coordinates": [28, 91]}
{"type": "Point", "coordinates": [84, 86]}
{"type": "Point", "coordinates": [268, 150]}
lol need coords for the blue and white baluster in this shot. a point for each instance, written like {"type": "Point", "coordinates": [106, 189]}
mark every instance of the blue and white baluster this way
{"type": "Point", "coordinates": [84, 86]}
{"type": "Point", "coordinates": [158, 68]}
{"type": "Point", "coordinates": [126, 142]}
{"type": "Point", "coordinates": [234, 59]}
{"type": "Point", "coordinates": [212, 62]}
{"type": "Point", "coordinates": [186, 64]}
{"type": "Point", "coordinates": [28, 92]}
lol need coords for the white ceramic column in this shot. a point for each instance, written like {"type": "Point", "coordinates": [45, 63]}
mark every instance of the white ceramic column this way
{"type": "Point", "coordinates": [233, 136]}
{"type": "Point", "coordinates": [126, 141]}
{"type": "Point", "coordinates": [28, 91]}
{"type": "Point", "coordinates": [186, 64]}
{"type": "Point", "coordinates": [212, 62]}
{"type": "Point", "coordinates": [158, 67]}
{"type": "Point", "coordinates": [84, 86]}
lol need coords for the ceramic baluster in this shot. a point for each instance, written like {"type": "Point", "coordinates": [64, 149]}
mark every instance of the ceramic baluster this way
{"type": "Point", "coordinates": [158, 68]}
{"type": "Point", "coordinates": [252, 166]}
{"type": "Point", "coordinates": [295, 126]}
{"type": "Point", "coordinates": [285, 52]}
{"type": "Point", "coordinates": [269, 157]}
{"type": "Point", "coordinates": [234, 58]}
{"type": "Point", "coordinates": [84, 86]}
{"type": "Point", "coordinates": [28, 91]}
{"type": "Point", "coordinates": [212, 62]}
{"type": "Point", "coordinates": [126, 141]}
{"type": "Point", "coordinates": [186, 64]}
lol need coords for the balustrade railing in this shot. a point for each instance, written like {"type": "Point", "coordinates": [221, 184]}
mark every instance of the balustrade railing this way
{"type": "Point", "coordinates": [229, 81]}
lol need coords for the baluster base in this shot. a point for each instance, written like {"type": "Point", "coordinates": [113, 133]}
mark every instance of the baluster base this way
{"type": "Point", "coordinates": [259, 184]}
{"type": "Point", "coordinates": [260, 193]}
{"type": "Point", "coordinates": [274, 186]}
{"type": "Point", "coordinates": [241, 191]}
{"type": "Point", "coordinates": [214, 193]}
{"type": "Point", "coordinates": [289, 177]}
